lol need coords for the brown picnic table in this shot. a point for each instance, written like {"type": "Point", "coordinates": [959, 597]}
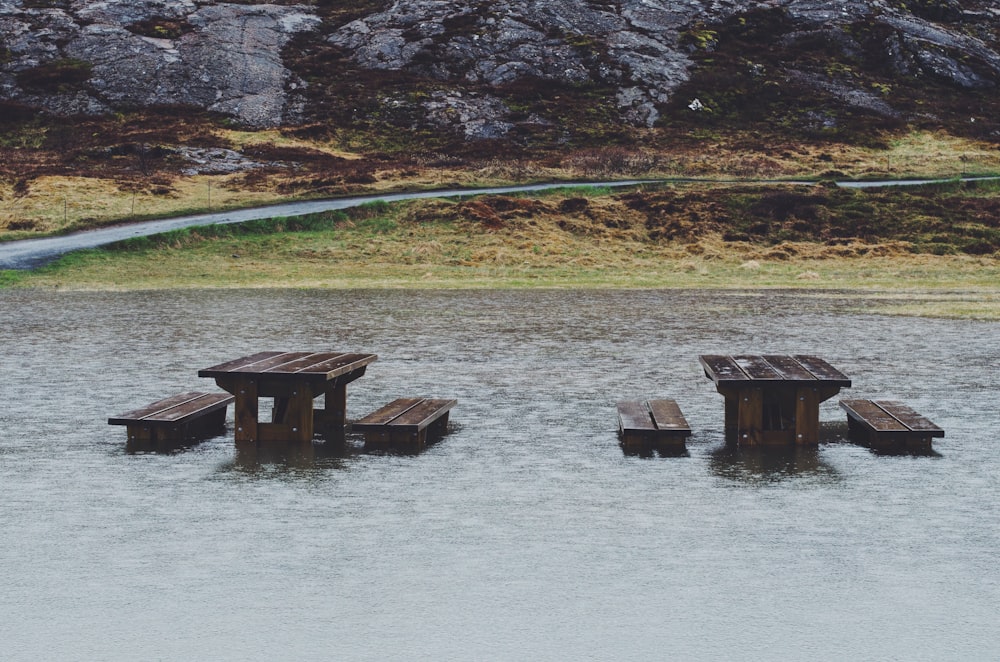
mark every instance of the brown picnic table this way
{"type": "Point", "coordinates": [772, 399]}
{"type": "Point", "coordinates": [294, 380]}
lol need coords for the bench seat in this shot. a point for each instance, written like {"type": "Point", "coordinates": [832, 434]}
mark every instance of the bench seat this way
{"type": "Point", "coordinates": [406, 422]}
{"type": "Point", "coordinates": [646, 425]}
{"type": "Point", "coordinates": [889, 425]}
{"type": "Point", "coordinates": [175, 419]}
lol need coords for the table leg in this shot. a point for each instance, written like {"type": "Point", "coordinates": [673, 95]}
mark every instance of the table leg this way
{"type": "Point", "coordinates": [732, 419]}
{"type": "Point", "coordinates": [807, 401]}
{"type": "Point", "coordinates": [300, 414]}
{"type": "Point", "coordinates": [751, 416]}
{"type": "Point", "coordinates": [334, 412]}
{"type": "Point", "coordinates": [245, 407]}
{"type": "Point", "coordinates": [293, 417]}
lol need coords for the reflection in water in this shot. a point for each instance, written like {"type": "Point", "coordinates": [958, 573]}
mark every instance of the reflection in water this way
{"type": "Point", "coordinates": [292, 458]}
{"type": "Point", "coordinates": [770, 465]}
{"type": "Point", "coordinates": [903, 452]}
{"type": "Point", "coordinates": [163, 446]}
{"type": "Point", "coordinates": [331, 451]}
{"type": "Point", "coordinates": [655, 450]}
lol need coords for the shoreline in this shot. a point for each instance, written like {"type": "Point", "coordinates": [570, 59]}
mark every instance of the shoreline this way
{"type": "Point", "coordinates": [941, 291]}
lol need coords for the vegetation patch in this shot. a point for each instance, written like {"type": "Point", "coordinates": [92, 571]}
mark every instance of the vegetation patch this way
{"type": "Point", "coordinates": [161, 28]}
{"type": "Point", "coordinates": [55, 76]}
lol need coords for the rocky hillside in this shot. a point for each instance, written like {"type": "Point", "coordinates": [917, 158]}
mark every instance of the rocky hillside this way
{"type": "Point", "coordinates": [545, 71]}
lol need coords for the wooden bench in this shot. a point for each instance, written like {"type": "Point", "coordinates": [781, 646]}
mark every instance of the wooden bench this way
{"type": "Point", "coordinates": [889, 425]}
{"type": "Point", "coordinates": [645, 425]}
{"type": "Point", "coordinates": [178, 418]}
{"type": "Point", "coordinates": [406, 422]}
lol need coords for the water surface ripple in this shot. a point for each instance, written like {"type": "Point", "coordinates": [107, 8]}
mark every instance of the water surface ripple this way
{"type": "Point", "coordinates": [525, 533]}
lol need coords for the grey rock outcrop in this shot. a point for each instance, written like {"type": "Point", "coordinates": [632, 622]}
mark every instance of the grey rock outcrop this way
{"type": "Point", "coordinates": [78, 56]}
{"type": "Point", "coordinates": [636, 46]}
{"type": "Point", "coordinates": [633, 44]}
{"type": "Point", "coordinates": [227, 60]}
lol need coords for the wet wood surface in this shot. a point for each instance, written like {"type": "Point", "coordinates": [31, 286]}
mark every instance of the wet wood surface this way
{"type": "Point", "coordinates": [294, 380]}
{"type": "Point", "coordinates": [889, 426]}
{"type": "Point", "coordinates": [406, 422]}
{"type": "Point", "coordinates": [645, 425]}
{"type": "Point", "coordinates": [889, 417]}
{"type": "Point", "coordinates": [163, 424]}
{"type": "Point", "coordinates": [723, 369]}
{"type": "Point", "coordinates": [292, 366]}
{"type": "Point", "coordinates": [773, 398]}
{"type": "Point", "coordinates": [178, 408]}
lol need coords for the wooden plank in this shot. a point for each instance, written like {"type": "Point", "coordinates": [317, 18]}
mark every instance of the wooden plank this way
{"type": "Point", "coordinates": [273, 363]}
{"type": "Point", "coordinates": [339, 364]}
{"type": "Point", "coordinates": [304, 363]}
{"type": "Point", "coordinates": [721, 369]}
{"type": "Point", "coordinates": [154, 408]}
{"type": "Point", "coordinates": [872, 416]}
{"type": "Point", "coordinates": [204, 404]}
{"type": "Point", "coordinates": [634, 415]}
{"type": "Point", "coordinates": [789, 368]}
{"type": "Point", "coordinates": [236, 364]}
{"type": "Point", "coordinates": [757, 368]}
{"type": "Point", "coordinates": [305, 366]}
{"type": "Point", "coordinates": [384, 415]}
{"type": "Point", "coordinates": [667, 415]}
{"type": "Point", "coordinates": [910, 418]}
{"type": "Point", "coordinates": [423, 414]}
{"type": "Point", "coordinates": [823, 371]}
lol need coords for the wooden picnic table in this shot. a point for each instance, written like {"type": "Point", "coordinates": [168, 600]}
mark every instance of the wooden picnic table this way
{"type": "Point", "coordinates": [773, 398]}
{"type": "Point", "coordinates": [294, 380]}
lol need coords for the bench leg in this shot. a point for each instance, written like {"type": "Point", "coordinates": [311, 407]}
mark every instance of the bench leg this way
{"type": "Point", "coordinates": [401, 439]}
{"type": "Point", "coordinates": [672, 444]}
{"type": "Point", "coordinates": [918, 443]}
{"type": "Point", "coordinates": [207, 425]}
{"type": "Point", "coordinates": [140, 439]}
{"type": "Point", "coordinates": [438, 427]}
{"type": "Point", "coordinates": [634, 442]}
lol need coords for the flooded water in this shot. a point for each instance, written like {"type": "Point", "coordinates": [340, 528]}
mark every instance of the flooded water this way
{"type": "Point", "coordinates": [525, 533]}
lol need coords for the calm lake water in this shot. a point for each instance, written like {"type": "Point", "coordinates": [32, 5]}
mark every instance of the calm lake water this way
{"type": "Point", "coordinates": [525, 533]}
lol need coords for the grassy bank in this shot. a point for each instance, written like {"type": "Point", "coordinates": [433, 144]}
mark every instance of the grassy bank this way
{"type": "Point", "coordinates": [131, 184]}
{"type": "Point", "coordinates": [675, 237]}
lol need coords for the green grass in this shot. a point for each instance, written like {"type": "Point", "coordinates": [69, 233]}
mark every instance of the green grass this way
{"type": "Point", "coordinates": [10, 278]}
{"type": "Point", "coordinates": [636, 240]}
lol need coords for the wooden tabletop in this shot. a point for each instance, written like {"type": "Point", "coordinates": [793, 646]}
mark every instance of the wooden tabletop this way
{"type": "Point", "coordinates": [308, 366]}
{"type": "Point", "coordinates": [771, 368]}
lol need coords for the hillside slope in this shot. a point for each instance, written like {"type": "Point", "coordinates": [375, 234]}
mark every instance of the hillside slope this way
{"type": "Point", "coordinates": [546, 72]}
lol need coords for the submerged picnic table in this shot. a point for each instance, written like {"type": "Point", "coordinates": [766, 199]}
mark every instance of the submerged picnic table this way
{"type": "Point", "coordinates": [294, 380]}
{"type": "Point", "coordinates": [773, 398]}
